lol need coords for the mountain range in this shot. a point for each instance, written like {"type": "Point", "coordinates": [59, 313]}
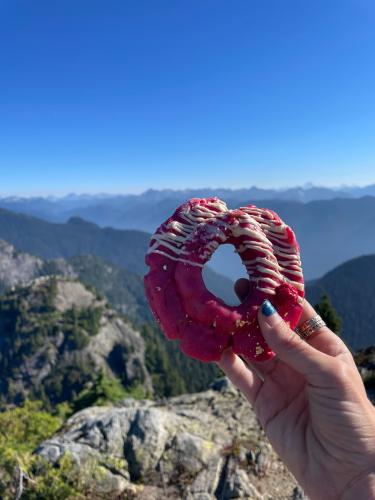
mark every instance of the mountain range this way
{"type": "Point", "coordinates": [350, 286]}
{"type": "Point", "coordinates": [61, 208]}
{"type": "Point", "coordinates": [125, 249]}
{"type": "Point", "coordinates": [76, 332]}
{"type": "Point", "coordinates": [329, 232]}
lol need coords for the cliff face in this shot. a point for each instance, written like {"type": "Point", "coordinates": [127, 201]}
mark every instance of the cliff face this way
{"type": "Point", "coordinates": [56, 336]}
{"type": "Point", "coordinates": [207, 445]}
{"type": "Point", "coordinates": [17, 268]}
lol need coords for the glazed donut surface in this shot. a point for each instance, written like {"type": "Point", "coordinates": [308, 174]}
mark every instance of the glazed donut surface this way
{"type": "Point", "coordinates": [179, 299]}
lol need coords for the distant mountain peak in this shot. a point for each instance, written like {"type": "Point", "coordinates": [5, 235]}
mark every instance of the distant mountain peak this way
{"type": "Point", "coordinates": [79, 221]}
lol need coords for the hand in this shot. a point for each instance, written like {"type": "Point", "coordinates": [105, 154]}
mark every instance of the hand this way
{"type": "Point", "coordinates": [313, 406]}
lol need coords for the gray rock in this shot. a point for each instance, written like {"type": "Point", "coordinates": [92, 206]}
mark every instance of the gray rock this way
{"type": "Point", "coordinates": [91, 465]}
{"type": "Point", "coordinates": [145, 443]}
{"type": "Point", "coordinates": [185, 447]}
{"type": "Point", "coordinates": [17, 268]}
{"type": "Point", "coordinates": [206, 482]}
{"type": "Point", "coordinates": [238, 485]}
{"type": "Point", "coordinates": [188, 454]}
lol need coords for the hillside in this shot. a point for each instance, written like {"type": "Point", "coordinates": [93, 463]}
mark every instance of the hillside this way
{"type": "Point", "coordinates": [30, 316]}
{"type": "Point", "coordinates": [77, 237]}
{"type": "Point", "coordinates": [351, 288]}
{"type": "Point", "coordinates": [122, 288]}
{"type": "Point", "coordinates": [56, 336]}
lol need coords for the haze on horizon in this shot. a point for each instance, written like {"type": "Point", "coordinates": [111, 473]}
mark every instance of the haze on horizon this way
{"type": "Point", "coordinates": [125, 96]}
{"type": "Point", "coordinates": [58, 195]}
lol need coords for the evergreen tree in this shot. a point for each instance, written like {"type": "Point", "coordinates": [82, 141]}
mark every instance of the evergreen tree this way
{"type": "Point", "coordinates": [329, 314]}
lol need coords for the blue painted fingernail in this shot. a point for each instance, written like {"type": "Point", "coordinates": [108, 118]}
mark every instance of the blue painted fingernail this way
{"type": "Point", "coordinates": [267, 308]}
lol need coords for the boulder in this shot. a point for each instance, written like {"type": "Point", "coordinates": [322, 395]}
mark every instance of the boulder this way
{"type": "Point", "coordinates": [201, 446]}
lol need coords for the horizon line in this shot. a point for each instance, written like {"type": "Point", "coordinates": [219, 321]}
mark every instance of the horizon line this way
{"type": "Point", "coordinates": [137, 192]}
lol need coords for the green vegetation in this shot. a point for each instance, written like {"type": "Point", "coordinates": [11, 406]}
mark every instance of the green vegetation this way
{"type": "Point", "coordinates": [172, 371]}
{"type": "Point", "coordinates": [25, 324]}
{"type": "Point", "coordinates": [106, 390]}
{"type": "Point", "coordinates": [22, 429]}
{"type": "Point", "coordinates": [328, 314]}
{"type": "Point", "coordinates": [32, 333]}
{"type": "Point", "coordinates": [80, 325]}
{"type": "Point", "coordinates": [66, 380]}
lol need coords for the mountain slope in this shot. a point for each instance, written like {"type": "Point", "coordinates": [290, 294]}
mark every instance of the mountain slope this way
{"type": "Point", "coordinates": [56, 336]}
{"type": "Point", "coordinates": [122, 288]}
{"type": "Point", "coordinates": [76, 237]}
{"type": "Point", "coordinates": [171, 371]}
{"type": "Point", "coordinates": [351, 288]}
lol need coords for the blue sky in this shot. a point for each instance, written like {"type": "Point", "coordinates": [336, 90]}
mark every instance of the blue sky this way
{"type": "Point", "coordinates": [120, 96]}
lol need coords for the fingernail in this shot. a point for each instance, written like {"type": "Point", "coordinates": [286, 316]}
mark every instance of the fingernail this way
{"type": "Point", "coordinates": [267, 308]}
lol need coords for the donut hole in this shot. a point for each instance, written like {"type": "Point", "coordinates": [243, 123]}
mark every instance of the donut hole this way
{"type": "Point", "coordinates": [217, 275]}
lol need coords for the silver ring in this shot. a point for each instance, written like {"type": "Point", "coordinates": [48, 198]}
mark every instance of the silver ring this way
{"type": "Point", "coordinates": [309, 327]}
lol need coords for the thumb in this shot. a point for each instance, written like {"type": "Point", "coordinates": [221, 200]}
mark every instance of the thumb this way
{"type": "Point", "coordinates": [289, 347]}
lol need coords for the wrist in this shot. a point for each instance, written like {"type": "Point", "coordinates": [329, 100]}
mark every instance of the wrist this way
{"type": "Point", "coordinates": [363, 486]}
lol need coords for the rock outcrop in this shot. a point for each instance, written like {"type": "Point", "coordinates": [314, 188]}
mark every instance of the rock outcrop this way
{"type": "Point", "coordinates": [17, 268]}
{"type": "Point", "coordinates": [122, 288]}
{"type": "Point", "coordinates": [200, 446]}
{"type": "Point", "coordinates": [57, 336]}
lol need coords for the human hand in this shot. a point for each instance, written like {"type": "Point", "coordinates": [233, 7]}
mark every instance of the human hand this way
{"type": "Point", "coordinates": [313, 406]}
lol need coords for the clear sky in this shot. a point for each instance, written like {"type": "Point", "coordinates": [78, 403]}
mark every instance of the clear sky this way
{"type": "Point", "coordinates": [120, 95]}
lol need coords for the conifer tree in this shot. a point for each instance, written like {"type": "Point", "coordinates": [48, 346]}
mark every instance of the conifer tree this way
{"type": "Point", "coordinates": [329, 314]}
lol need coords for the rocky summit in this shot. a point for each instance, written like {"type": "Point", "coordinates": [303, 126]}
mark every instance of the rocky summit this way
{"type": "Point", "coordinates": [201, 446]}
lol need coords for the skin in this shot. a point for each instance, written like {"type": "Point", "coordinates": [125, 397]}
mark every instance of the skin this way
{"type": "Point", "coordinates": [313, 406]}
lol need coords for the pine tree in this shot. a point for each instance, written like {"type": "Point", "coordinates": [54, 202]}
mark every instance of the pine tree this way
{"type": "Point", "coordinates": [329, 314]}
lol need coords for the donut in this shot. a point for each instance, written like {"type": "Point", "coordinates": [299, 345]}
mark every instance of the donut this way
{"type": "Point", "coordinates": [204, 324]}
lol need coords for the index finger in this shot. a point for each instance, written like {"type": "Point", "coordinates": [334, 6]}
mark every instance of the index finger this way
{"type": "Point", "coordinates": [240, 375]}
{"type": "Point", "coordinates": [324, 340]}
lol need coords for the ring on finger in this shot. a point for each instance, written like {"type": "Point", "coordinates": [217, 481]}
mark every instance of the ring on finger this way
{"type": "Point", "coordinates": [309, 327]}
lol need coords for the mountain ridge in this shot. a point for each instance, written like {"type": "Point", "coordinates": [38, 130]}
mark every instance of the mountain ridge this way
{"type": "Point", "coordinates": [351, 289]}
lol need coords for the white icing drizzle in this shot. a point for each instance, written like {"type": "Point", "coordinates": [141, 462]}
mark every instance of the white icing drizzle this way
{"type": "Point", "coordinates": [197, 264]}
{"type": "Point", "coordinates": [259, 230]}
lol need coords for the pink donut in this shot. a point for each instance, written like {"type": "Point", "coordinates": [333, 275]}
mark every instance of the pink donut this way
{"type": "Point", "coordinates": [179, 299]}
